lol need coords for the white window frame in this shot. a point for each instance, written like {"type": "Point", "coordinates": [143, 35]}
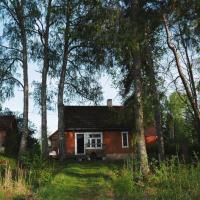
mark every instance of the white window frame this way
{"type": "Point", "coordinates": [125, 132]}
{"type": "Point", "coordinates": [96, 139]}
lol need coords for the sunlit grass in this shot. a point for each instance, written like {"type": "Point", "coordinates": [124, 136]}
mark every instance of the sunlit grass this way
{"type": "Point", "coordinates": [100, 180]}
{"type": "Point", "coordinates": [81, 180]}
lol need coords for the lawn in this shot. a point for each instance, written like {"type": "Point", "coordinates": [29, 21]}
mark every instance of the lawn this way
{"type": "Point", "coordinates": [85, 180]}
{"type": "Point", "coordinates": [103, 180]}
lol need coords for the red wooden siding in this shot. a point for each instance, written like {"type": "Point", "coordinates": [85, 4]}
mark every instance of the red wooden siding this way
{"type": "Point", "coordinates": [111, 140]}
{"type": "Point", "coordinates": [70, 143]}
{"type": "Point", "coordinates": [113, 143]}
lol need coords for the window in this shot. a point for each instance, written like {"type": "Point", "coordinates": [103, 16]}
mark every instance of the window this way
{"type": "Point", "coordinates": [124, 139]}
{"type": "Point", "coordinates": [94, 141]}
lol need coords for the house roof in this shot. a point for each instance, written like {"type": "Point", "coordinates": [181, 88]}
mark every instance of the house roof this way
{"type": "Point", "coordinates": [7, 122]}
{"type": "Point", "coordinates": [87, 118]}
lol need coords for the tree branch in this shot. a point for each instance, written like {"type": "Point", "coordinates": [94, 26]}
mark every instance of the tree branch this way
{"type": "Point", "coordinates": [11, 48]}
{"type": "Point", "coordinates": [179, 67]}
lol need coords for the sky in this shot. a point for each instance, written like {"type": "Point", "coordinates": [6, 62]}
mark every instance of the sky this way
{"type": "Point", "coordinates": [15, 104]}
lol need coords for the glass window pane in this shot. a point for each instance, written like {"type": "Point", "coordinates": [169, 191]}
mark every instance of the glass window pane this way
{"type": "Point", "coordinates": [93, 143]}
{"type": "Point", "coordinates": [125, 139]}
{"type": "Point", "coordinates": [94, 135]}
{"type": "Point", "coordinates": [98, 142]}
{"type": "Point", "coordinates": [88, 143]}
{"type": "Point", "coordinates": [97, 135]}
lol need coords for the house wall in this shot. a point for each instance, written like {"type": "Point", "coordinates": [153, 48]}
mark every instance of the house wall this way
{"type": "Point", "coordinates": [70, 143]}
{"type": "Point", "coordinates": [113, 145]}
{"type": "Point", "coordinates": [112, 141]}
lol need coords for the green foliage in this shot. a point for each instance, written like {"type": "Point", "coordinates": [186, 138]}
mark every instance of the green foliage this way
{"type": "Point", "coordinates": [180, 125]}
{"type": "Point", "coordinates": [31, 161]}
{"type": "Point", "coordinates": [13, 138]}
{"type": "Point", "coordinates": [9, 161]}
{"type": "Point", "coordinates": [170, 180]}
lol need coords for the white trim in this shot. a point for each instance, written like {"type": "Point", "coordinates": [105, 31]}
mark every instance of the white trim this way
{"type": "Point", "coordinates": [125, 132]}
{"type": "Point", "coordinates": [101, 133]}
{"type": "Point", "coordinates": [76, 143]}
{"type": "Point", "coordinates": [85, 142]}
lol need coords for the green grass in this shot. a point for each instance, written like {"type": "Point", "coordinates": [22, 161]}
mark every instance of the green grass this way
{"type": "Point", "coordinates": [91, 180]}
{"type": "Point", "coordinates": [103, 180]}
{"type": "Point", "coordinates": [170, 180]}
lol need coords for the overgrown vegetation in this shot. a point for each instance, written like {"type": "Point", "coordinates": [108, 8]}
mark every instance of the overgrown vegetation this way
{"type": "Point", "coordinates": [99, 180]}
{"type": "Point", "coordinates": [169, 180]}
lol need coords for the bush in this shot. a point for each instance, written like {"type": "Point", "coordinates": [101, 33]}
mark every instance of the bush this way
{"type": "Point", "coordinates": [31, 161]}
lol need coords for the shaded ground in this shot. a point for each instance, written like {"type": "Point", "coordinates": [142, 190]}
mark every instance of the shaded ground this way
{"type": "Point", "coordinates": [81, 181]}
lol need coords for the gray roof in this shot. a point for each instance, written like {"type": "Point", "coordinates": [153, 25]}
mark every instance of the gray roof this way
{"type": "Point", "coordinates": [91, 118]}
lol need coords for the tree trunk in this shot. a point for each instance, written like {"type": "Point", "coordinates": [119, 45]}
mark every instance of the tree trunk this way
{"type": "Point", "coordinates": [61, 133]}
{"type": "Point", "coordinates": [44, 111]}
{"type": "Point", "coordinates": [44, 85]}
{"type": "Point", "coordinates": [61, 126]}
{"type": "Point", "coordinates": [23, 143]}
{"type": "Point", "coordinates": [139, 117]}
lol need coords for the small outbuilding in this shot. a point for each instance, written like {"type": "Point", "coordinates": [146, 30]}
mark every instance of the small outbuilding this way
{"type": "Point", "coordinates": [8, 131]}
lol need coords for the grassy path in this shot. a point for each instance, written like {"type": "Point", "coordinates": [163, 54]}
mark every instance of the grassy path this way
{"type": "Point", "coordinates": [81, 181]}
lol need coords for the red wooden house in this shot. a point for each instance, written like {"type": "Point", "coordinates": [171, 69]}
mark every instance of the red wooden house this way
{"type": "Point", "coordinates": [95, 130]}
{"type": "Point", "coordinates": [92, 131]}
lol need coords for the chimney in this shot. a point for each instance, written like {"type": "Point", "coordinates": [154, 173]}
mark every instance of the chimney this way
{"type": "Point", "coordinates": [109, 102]}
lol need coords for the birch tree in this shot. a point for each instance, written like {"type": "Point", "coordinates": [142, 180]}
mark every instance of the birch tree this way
{"type": "Point", "coordinates": [128, 55]}
{"type": "Point", "coordinates": [186, 76]}
{"type": "Point", "coordinates": [44, 53]}
{"type": "Point", "coordinates": [18, 18]}
{"type": "Point", "coordinates": [80, 58]}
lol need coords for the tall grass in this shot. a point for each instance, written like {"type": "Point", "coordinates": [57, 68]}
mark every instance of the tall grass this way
{"type": "Point", "coordinates": [169, 180]}
{"type": "Point", "coordinates": [17, 182]}
{"type": "Point", "coordinates": [13, 183]}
